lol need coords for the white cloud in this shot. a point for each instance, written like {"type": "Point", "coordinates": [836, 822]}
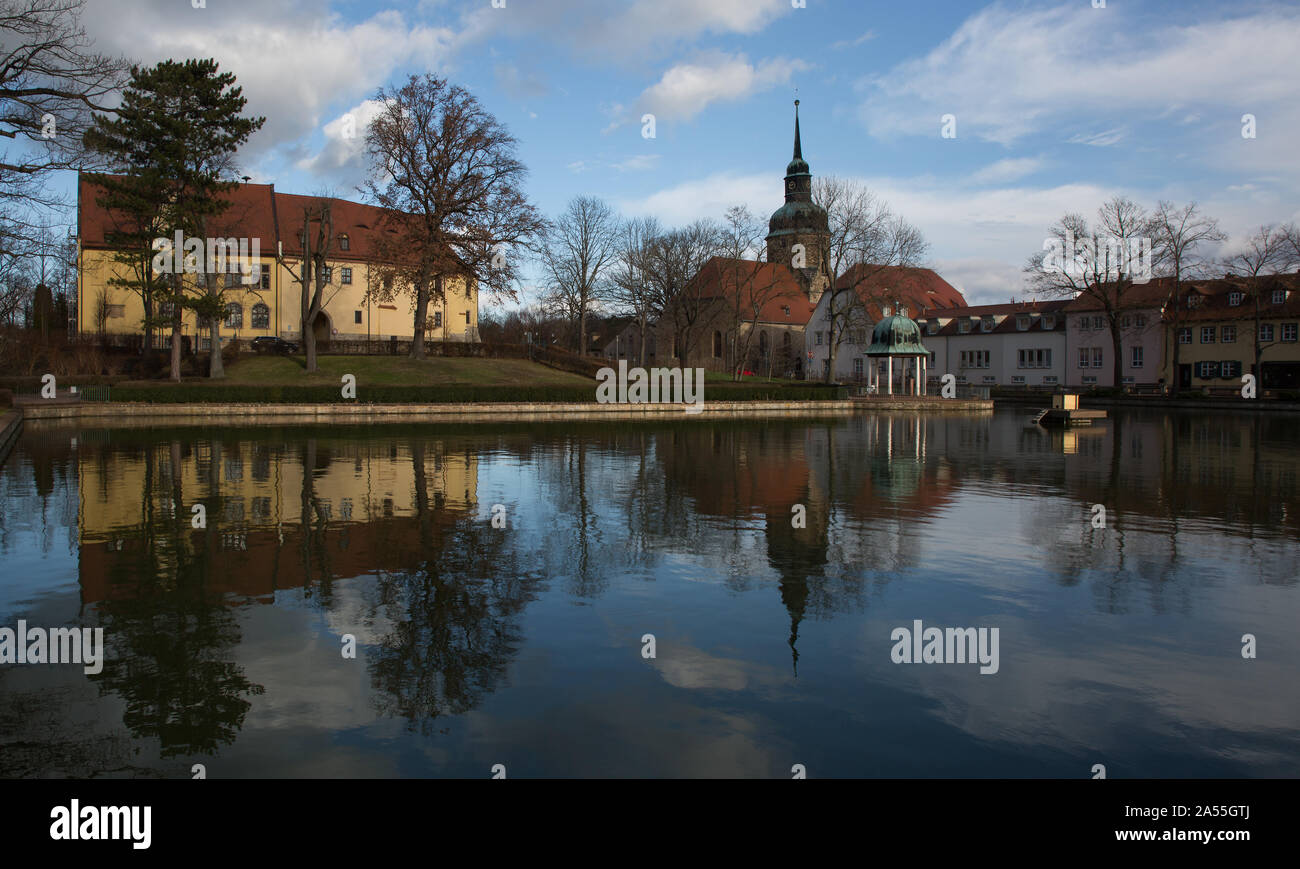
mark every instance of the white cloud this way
{"type": "Point", "coordinates": [1009, 72]}
{"type": "Point", "coordinates": [687, 89]}
{"type": "Point", "coordinates": [343, 155]}
{"type": "Point", "coordinates": [1010, 169]}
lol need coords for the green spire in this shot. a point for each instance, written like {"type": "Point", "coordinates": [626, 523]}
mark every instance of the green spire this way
{"type": "Point", "coordinates": [798, 151]}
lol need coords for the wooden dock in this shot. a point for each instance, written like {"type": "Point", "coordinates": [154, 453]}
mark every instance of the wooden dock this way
{"type": "Point", "coordinates": [1054, 416]}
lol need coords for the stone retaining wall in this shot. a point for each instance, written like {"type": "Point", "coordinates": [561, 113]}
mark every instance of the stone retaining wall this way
{"type": "Point", "coordinates": [129, 414]}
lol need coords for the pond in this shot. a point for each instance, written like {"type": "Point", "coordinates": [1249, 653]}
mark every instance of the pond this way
{"type": "Point", "coordinates": [685, 599]}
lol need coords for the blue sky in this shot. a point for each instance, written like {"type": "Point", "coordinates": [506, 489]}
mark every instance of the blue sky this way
{"type": "Point", "coordinates": [1058, 105]}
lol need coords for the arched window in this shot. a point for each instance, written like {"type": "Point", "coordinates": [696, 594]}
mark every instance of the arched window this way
{"type": "Point", "coordinates": [762, 344]}
{"type": "Point", "coordinates": [785, 344]}
{"type": "Point", "coordinates": [717, 345]}
{"type": "Point", "coordinates": [234, 316]}
{"type": "Point", "coordinates": [343, 241]}
{"type": "Point", "coordinates": [261, 316]}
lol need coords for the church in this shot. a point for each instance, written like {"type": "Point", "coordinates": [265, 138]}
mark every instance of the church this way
{"type": "Point", "coordinates": [771, 315]}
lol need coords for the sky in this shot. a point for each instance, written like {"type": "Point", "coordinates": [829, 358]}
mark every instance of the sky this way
{"type": "Point", "coordinates": [1058, 105]}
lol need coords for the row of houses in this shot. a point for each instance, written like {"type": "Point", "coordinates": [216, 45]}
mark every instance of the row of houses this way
{"type": "Point", "coordinates": [1034, 344]}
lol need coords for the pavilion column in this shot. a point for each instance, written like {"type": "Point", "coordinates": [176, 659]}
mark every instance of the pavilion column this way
{"type": "Point", "coordinates": [925, 373]}
{"type": "Point", "coordinates": [890, 374]}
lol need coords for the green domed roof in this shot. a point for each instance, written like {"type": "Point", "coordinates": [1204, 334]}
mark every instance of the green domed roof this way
{"type": "Point", "coordinates": [798, 215]}
{"type": "Point", "coordinates": [896, 335]}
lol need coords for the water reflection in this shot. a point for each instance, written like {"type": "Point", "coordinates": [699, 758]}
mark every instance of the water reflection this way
{"type": "Point", "coordinates": [386, 534]}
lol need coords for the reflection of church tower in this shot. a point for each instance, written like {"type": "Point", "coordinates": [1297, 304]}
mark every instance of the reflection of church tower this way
{"type": "Point", "coordinates": [796, 554]}
{"type": "Point", "coordinates": [801, 222]}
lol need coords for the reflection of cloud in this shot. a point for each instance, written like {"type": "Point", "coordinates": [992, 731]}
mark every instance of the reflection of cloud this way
{"type": "Point", "coordinates": [692, 669]}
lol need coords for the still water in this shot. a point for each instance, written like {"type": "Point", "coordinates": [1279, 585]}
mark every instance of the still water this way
{"type": "Point", "coordinates": [1120, 635]}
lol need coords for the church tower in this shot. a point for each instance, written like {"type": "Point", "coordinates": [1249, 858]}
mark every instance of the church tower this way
{"type": "Point", "coordinates": [801, 222]}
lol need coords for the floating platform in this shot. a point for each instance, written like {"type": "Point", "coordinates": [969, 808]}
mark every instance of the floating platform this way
{"type": "Point", "coordinates": [1054, 416]}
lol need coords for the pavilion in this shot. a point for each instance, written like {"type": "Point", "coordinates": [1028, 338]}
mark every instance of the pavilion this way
{"type": "Point", "coordinates": [897, 337]}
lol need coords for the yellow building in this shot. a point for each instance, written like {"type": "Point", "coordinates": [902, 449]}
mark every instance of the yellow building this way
{"type": "Point", "coordinates": [1216, 333]}
{"type": "Point", "coordinates": [261, 222]}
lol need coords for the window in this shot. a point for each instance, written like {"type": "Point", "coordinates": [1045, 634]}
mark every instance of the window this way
{"type": "Point", "coordinates": [1128, 380]}
{"type": "Point", "coordinates": [857, 367]}
{"type": "Point", "coordinates": [232, 279]}
{"type": "Point", "coordinates": [467, 318]}
{"type": "Point", "coordinates": [932, 327]}
{"type": "Point", "coordinates": [437, 319]}
{"type": "Point", "coordinates": [234, 316]}
{"type": "Point", "coordinates": [1096, 357]}
{"type": "Point", "coordinates": [1265, 331]}
{"type": "Point", "coordinates": [1289, 331]}
{"type": "Point", "coordinates": [356, 317]}
{"type": "Point", "coordinates": [1228, 334]}
{"type": "Point", "coordinates": [1089, 380]}
{"type": "Point", "coordinates": [1035, 358]}
{"type": "Point", "coordinates": [1137, 356]}
{"type": "Point", "coordinates": [1207, 334]}
{"type": "Point", "coordinates": [115, 310]}
{"type": "Point", "coordinates": [1193, 300]}
{"type": "Point", "coordinates": [974, 359]}
{"type": "Point", "coordinates": [963, 327]}
{"type": "Point", "coordinates": [329, 274]}
{"type": "Point", "coordinates": [1098, 322]}
{"type": "Point", "coordinates": [1234, 299]}
{"type": "Point", "coordinates": [1207, 370]}
{"type": "Point", "coordinates": [989, 378]}
{"type": "Point", "coordinates": [344, 243]}
{"type": "Point", "coordinates": [265, 283]}
{"type": "Point", "coordinates": [819, 339]}
{"type": "Point", "coordinates": [1049, 378]}
{"type": "Point", "coordinates": [1018, 378]}
{"type": "Point", "coordinates": [1049, 321]}
{"type": "Point", "coordinates": [1279, 297]}
{"type": "Point", "coordinates": [1185, 336]}
{"type": "Point", "coordinates": [986, 324]}
{"type": "Point", "coordinates": [1085, 357]}
{"type": "Point", "coordinates": [261, 316]}
{"type": "Point", "coordinates": [1140, 320]}
{"type": "Point", "coordinates": [1125, 321]}
{"type": "Point", "coordinates": [1022, 322]}
{"type": "Point", "coordinates": [785, 309]}
{"type": "Point", "coordinates": [1229, 370]}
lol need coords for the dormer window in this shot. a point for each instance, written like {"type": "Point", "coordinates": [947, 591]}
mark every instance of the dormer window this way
{"type": "Point", "coordinates": [1279, 297]}
{"type": "Point", "coordinates": [344, 242]}
{"type": "Point", "coordinates": [786, 309]}
{"type": "Point", "coordinates": [932, 327]}
{"type": "Point", "coordinates": [1193, 300]}
{"type": "Point", "coordinates": [963, 326]}
{"type": "Point", "coordinates": [1234, 299]}
{"type": "Point", "coordinates": [986, 324]}
{"type": "Point", "coordinates": [1049, 321]}
{"type": "Point", "coordinates": [1022, 322]}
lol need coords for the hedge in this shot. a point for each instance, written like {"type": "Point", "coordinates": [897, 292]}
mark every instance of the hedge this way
{"type": "Point", "coordinates": [434, 394]}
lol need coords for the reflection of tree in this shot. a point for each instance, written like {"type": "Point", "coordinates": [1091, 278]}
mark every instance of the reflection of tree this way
{"type": "Point", "coordinates": [454, 616]}
{"type": "Point", "coordinates": [168, 644]}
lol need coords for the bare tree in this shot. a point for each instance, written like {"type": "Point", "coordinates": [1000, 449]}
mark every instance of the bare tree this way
{"type": "Point", "coordinates": [631, 285]}
{"type": "Point", "coordinates": [1266, 252]}
{"type": "Point", "coordinates": [316, 237]}
{"type": "Point", "coordinates": [578, 250]}
{"type": "Point", "coordinates": [1102, 267]}
{"type": "Point", "coordinates": [1180, 233]}
{"type": "Point", "coordinates": [444, 169]}
{"type": "Point", "coordinates": [746, 285]}
{"type": "Point", "coordinates": [684, 302]}
{"type": "Point", "coordinates": [866, 238]}
{"type": "Point", "coordinates": [51, 81]}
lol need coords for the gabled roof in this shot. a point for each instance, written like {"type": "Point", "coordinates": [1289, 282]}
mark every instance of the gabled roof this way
{"type": "Point", "coordinates": [775, 285]}
{"type": "Point", "coordinates": [917, 288]}
{"type": "Point", "coordinates": [255, 211]}
{"type": "Point", "coordinates": [1216, 302]}
{"type": "Point", "coordinates": [1154, 294]}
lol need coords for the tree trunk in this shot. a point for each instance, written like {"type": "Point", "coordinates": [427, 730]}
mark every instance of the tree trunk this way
{"type": "Point", "coordinates": [309, 341]}
{"type": "Point", "coordinates": [216, 367]}
{"type": "Point", "coordinates": [1117, 345]}
{"type": "Point", "coordinates": [421, 313]}
{"type": "Point", "coordinates": [176, 331]}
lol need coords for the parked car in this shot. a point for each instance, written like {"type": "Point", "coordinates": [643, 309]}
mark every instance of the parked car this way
{"type": "Point", "coordinates": [273, 344]}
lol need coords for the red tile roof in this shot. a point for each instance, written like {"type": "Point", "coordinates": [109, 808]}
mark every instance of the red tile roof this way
{"type": "Point", "coordinates": [775, 285]}
{"type": "Point", "coordinates": [256, 211]}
